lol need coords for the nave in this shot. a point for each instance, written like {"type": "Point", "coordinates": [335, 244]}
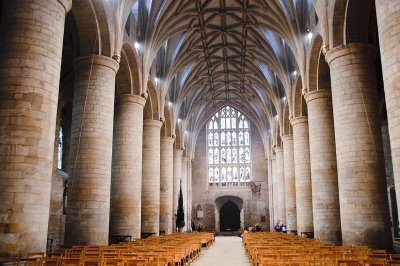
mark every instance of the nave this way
{"type": "Point", "coordinates": [227, 250]}
{"type": "Point", "coordinates": [279, 111]}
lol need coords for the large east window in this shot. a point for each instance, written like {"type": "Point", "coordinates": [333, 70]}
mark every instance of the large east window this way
{"type": "Point", "coordinates": [228, 148]}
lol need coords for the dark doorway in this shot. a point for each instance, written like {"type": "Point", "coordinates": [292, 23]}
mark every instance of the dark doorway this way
{"type": "Point", "coordinates": [229, 217]}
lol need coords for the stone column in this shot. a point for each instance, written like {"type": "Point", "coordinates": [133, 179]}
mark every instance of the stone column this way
{"type": "Point", "coordinates": [189, 210]}
{"type": "Point", "coordinates": [270, 194]}
{"type": "Point", "coordinates": [167, 184]}
{"type": "Point", "coordinates": [274, 191]}
{"type": "Point", "coordinates": [185, 161]}
{"type": "Point", "coordinates": [325, 192]}
{"type": "Point", "coordinates": [177, 177]}
{"type": "Point", "coordinates": [280, 182]}
{"type": "Point", "coordinates": [302, 170]}
{"type": "Point", "coordinates": [151, 177]}
{"type": "Point", "coordinates": [388, 15]}
{"type": "Point", "coordinates": [290, 185]}
{"type": "Point", "coordinates": [362, 186]}
{"type": "Point", "coordinates": [31, 40]}
{"type": "Point", "coordinates": [88, 212]}
{"type": "Point", "coordinates": [126, 175]}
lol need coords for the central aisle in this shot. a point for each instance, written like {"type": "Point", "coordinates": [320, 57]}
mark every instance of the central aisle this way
{"type": "Point", "coordinates": [226, 250]}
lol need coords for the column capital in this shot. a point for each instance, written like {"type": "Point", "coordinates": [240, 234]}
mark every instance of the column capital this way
{"type": "Point", "coordinates": [131, 98]}
{"type": "Point", "coordinates": [299, 120]}
{"type": "Point", "coordinates": [67, 4]}
{"type": "Point", "coordinates": [96, 59]}
{"type": "Point", "coordinates": [278, 149]}
{"type": "Point", "coordinates": [168, 140]}
{"type": "Point", "coordinates": [287, 137]}
{"type": "Point", "coordinates": [312, 95]}
{"type": "Point", "coordinates": [349, 49]}
{"type": "Point", "coordinates": [152, 123]}
{"type": "Point", "coordinates": [178, 152]}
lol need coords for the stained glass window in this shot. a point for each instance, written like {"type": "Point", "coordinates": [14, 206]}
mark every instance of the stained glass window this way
{"type": "Point", "coordinates": [210, 139]}
{"type": "Point", "coordinates": [228, 142]}
{"type": "Point", "coordinates": [60, 148]}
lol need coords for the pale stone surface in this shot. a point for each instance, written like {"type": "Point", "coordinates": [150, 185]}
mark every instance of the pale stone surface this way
{"type": "Point", "coordinates": [388, 16]}
{"type": "Point", "coordinates": [30, 53]}
{"type": "Point", "coordinates": [226, 250]}
{"type": "Point", "coordinates": [126, 175]}
{"type": "Point", "coordinates": [89, 188]}
{"type": "Point", "coordinates": [280, 182]}
{"type": "Point", "coordinates": [166, 184]}
{"type": "Point", "coordinates": [325, 191]}
{"type": "Point", "coordinates": [302, 168]}
{"type": "Point", "coordinates": [270, 194]}
{"type": "Point", "coordinates": [177, 172]}
{"type": "Point", "coordinates": [151, 177]}
{"type": "Point", "coordinates": [184, 180]}
{"type": "Point", "coordinates": [189, 191]}
{"type": "Point", "coordinates": [212, 198]}
{"type": "Point", "coordinates": [290, 182]}
{"type": "Point", "coordinates": [274, 190]}
{"type": "Point", "coordinates": [362, 187]}
{"type": "Point", "coordinates": [56, 226]}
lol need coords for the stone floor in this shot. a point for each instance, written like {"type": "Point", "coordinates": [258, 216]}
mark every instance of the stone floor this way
{"type": "Point", "coordinates": [226, 251]}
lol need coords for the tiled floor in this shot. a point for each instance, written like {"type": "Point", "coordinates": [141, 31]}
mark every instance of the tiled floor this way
{"type": "Point", "coordinates": [226, 251]}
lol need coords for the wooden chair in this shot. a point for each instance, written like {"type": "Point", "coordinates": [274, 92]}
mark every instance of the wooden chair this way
{"type": "Point", "coordinates": [113, 262]}
{"type": "Point", "coordinates": [135, 262]}
{"type": "Point", "coordinates": [350, 262]}
{"type": "Point", "coordinates": [375, 262]}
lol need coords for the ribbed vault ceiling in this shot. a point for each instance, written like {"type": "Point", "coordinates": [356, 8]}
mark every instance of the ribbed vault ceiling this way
{"type": "Point", "coordinates": [238, 52]}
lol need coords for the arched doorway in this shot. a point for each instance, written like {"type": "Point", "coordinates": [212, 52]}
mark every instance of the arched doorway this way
{"type": "Point", "coordinates": [229, 217]}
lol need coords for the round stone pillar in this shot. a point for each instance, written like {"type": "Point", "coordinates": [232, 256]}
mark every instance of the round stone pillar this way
{"type": "Point", "coordinates": [388, 16]}
{"type": "Point", "coordinates": [88, 213]}
{"type": "Point", "coordinates": [177, 177]}
{"type": "Point", "coordinates": [31, 40]}
{"type": "Point", "coordinates": [362, 186]}
{"type": "Point", "coordinates": [126, 175]}
{"type": "Point", "coordinates": [325, 191]}
{"type": "Point", "coordinates": [167, 184]}
{"type": "Point", "coordinates": [185, 167]}
{"type": "Point", "coordinates": [274, 191]}
{"type": "Point", "coordinates": [151, 177]}
{"type": "Point", "coordinates": [302, 170]}
{"type": "Point", "coordinates": [280, 182]}
{"type": "Point", "coordinates": [290, 185]}
{"type": "Point", "coordinates": [270, 194]}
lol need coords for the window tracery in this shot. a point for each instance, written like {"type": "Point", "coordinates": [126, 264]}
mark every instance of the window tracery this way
{"type": "Point", "coordinates": [228, 146]}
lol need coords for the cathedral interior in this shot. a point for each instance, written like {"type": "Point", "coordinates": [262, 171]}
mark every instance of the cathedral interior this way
{"type": "Point", "coordinates": [265, 112]}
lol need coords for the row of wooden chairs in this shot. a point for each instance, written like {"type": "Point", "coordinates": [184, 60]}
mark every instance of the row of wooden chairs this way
{"type": "Point", "coordinates": [168, 250]}
{"type": "Point", "coordinates": [273, 249]}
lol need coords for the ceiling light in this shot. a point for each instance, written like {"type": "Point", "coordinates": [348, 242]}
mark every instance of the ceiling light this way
{"type": "Point", "coordinates": [276, 117]}
{"type": "Point", "coordinates": [137, 45]}
{"type": "Point", "coordinates": [156, 80]}
{"type": "Point", "coordinates": [186, 132]}
{"type": "Point", "coordinates": [309, 35]}
{"type": "Point", "coordinates": [179, 120]}
{"type": "Point", "coordinates": [295, 73]}
{"type": "Point", "coordinates": [283, 98]}
{"type": "Point", "coordinates": [169, 104]}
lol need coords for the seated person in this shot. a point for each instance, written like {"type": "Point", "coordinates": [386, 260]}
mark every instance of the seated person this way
{"type": "Point", "coordinates": [284, 228]}
{"type": "Point", "coordinates": [277, 227]}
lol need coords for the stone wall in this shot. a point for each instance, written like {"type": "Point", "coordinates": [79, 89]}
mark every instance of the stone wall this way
{"type": "Point", "coordinates": [253, 207]}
